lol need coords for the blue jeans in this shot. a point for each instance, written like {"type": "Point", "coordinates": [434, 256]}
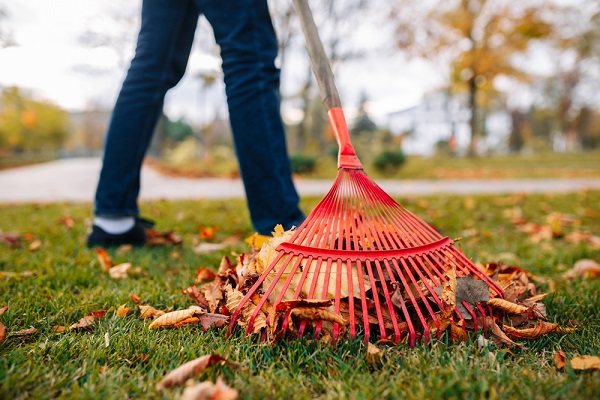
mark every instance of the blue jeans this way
{"type": "Point", "coordinates": [244, 32]}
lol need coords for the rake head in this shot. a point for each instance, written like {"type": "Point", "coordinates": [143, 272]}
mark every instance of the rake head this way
{"type": "Point", "coordinates": [377, 262]}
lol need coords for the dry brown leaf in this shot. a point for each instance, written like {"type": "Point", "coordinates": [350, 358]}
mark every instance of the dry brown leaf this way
{"type": "Point", "coordinates": [134, 298]}
{"type": "Point", "coordinates": [2, 332]}
{"type": "Point", "coordinates": [204, 275]}
{"type": "Point", "coordinates": [25, 333]}
{"type": "Point", "coordinates": [191, 368]}
{"type": "Point", "coordinates": [542, 328]}
{"type": "Point", "coordinates": [11, 239]}
{"type": "Point", "coordinates": [59, 328]}
{"type": "Point", "coordinates": [197, 295]}
{"type": "Point", "coordinates": [120, 271]}
{"type": "Point", "coordinates": [84, 324]}
{"type": "Point", "coordinates": [537, 298]}
{"type": "Point", "coordinates": [150, 312]}
{"type": "Point", "coordinates": [210, 391]}
{"type": "Point", "coordinates": [507, 306]}
{"type": "Point", "coordinates": [373, 354]}
{"type": "Point", "coordinates": [458, 333]}
{"type": "Point", "coordinates": [155, 238]}
{"type": "Point", "coordinates": [585, 268]}
{"type": "Point", "coordinates": [559, 359]}
{"type": "Point", "coordinates": [122, 310]}
{"type": "Point", "coordinates": [124, 249]}
{"type": "Point", "coordinates": [67, 221]}
{"type": "Point", "coordinates": [210, 320]}
{"type": "Point", "coordinates": [498, 336]}
{"type": "Point", "coordinates": [203, 247]}
{"type": "Point", "coordinates": [213, 293]}
{"type": "Point", "coordinates": [583, 363]}
{"type": "Point", "coordinates": [317, 314]}
{"type": "Point", "coordinates": [104, 259]}
{"type": "Point", "coordinates": [3, 309]}
{"type": "Point", "coordinates": [234, 297]}
{"type": "Point", "coordinates": [35, 245]}
{"type": "Point", "coordinates": [171, 318]}
{"type": "Point", "coordinates": [187, 321]}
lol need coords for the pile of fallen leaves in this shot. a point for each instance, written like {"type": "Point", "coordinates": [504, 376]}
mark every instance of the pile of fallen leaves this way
{"type": "Point", "coordinates": [519, 314]}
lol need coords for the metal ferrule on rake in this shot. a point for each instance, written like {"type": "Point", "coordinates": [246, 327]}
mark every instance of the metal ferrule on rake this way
{"type": "Point", "coordinates": [378, 262]}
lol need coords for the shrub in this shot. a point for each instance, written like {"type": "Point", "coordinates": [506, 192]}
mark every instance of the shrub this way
{"type": "Point", "coordinates": [389, 161]}
{"type": "Point", "coordinates": [302, 164]}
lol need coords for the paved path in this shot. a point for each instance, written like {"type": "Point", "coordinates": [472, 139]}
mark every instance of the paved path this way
{"type": "Point", "coordinates": [75, 180]}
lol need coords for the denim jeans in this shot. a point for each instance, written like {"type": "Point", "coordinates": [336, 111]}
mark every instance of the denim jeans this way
{"type": "Point", "coordinates": [244, 32]}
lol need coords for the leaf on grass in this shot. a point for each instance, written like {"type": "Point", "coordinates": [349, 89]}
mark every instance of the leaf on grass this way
{"type": "Point", "coordinates": [124, 249]}
{"type": "Point", "coordinates": [104, 259]}
{"type": "Point", "coordinates": [59, 328]}
{"type": "Point", "coordinates": [87, 323]}
{"type": "Point", "coordinates": [210, 391]}
{"type": "Point", "coordinates": [540, 329]}
{"type": "Point", "coordinates": [171, 318]}
{"type": "Point", "coordinates": [537, 298]}
{"type": "Point", "coordinates": [17, 275]}
{"type": "Point", "coordinates": [583, 363]}
{"type": "Point", "coordinates": [585, 268]}
{"type": "Point", "coordinates": [122, 310]}
{"type": "Point", "coordinates": [204, 275]}
{"type": "Point", "coordinates": [3, 309]}
{"type": "Point", "coordinates": [207, 232]}
{"type": "Point", "coordinates": [507, 306]}
{"type": "Point", "coordinates": [150, 312]}
{"type": "Point", "coordinates": [155, 238]}
{"type": "Point", "coordinates": [120, 271]}
{"type": "Point", "coordinates": [559, 359]}
{"type": "Point", "coordinates": [203, 247]}
{"type": "Point", "coordinates": [191, 368]}
{"type": "Point", "coordinates": [35, 245]}
{"type": "Point", "coordinates": [2, 332]}
{"type": "Point", "coordinates": [25, 333]}
{"type": "Point", "coordinates": [373, 354]}
{"type": "Point", "coordinates": [498, 336]}
{"type": "Point", "coordinates": [67, 221]}
{"type": "Point", "coordinates": [187, 321]}
{"type": "Point", "coordinates": [135, 298]}
{"type": "Point", "coordinates": [11, 239]}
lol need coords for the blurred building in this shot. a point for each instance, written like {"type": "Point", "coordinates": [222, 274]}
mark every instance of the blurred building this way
{"type": "Point", "coordinates": [441, 117]}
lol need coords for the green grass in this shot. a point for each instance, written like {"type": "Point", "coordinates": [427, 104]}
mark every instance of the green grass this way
{"type": "Point", "coordinates": [68, 283]}
{"type": "Point", "coordinates": [545, 165]}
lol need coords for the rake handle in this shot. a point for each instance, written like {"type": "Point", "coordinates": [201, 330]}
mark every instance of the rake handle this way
{"type": "Point", "coordinates": [331, 99]}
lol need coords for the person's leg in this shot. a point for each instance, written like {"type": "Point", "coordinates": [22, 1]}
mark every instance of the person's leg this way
{"type": "Point", "coordinates": [161, 56]}
{"type": "Point", "coordinates": [244, 31]}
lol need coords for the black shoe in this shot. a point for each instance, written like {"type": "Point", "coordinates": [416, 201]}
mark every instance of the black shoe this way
{"type": "Point", "coordinates": [136, 236]}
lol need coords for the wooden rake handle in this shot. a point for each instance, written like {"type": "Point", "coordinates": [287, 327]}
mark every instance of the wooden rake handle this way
{"type": "Point", "coordinates": [331, 99]}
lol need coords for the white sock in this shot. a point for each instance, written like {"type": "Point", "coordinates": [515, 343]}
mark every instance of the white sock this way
{"type": "Point", "coordinates": [114, 225]}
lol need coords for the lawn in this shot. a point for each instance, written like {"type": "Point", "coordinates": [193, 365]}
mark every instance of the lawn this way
{"type": "Point", "coordinates": [122, 358]}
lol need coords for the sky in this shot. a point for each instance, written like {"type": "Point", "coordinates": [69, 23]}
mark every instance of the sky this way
{"type": "Point", "coordinates": [50, 61]}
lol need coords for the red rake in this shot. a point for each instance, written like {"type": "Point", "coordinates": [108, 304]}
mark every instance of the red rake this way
{"type": "Point", "coordinates": [359, 246]}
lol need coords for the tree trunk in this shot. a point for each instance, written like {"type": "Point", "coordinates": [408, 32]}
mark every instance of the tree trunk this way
{"type": "Point", "coordinates": [472, 151]}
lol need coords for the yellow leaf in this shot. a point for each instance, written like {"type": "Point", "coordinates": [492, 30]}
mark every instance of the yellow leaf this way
{"type": "Point", "coordinates": [257, 240]}
{"type": "Point", "coordinates": [174, 317]}
{"type": "Point", "coordinates": [122, 310]}
{"type": "Point", "coordinates": [586, 362]}
{"type": "Point", "coordinates": [508, 306]}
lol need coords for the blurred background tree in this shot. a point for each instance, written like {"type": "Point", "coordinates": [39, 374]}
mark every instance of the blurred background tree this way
{"type": "Point", "coordinates": [29, 125]}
